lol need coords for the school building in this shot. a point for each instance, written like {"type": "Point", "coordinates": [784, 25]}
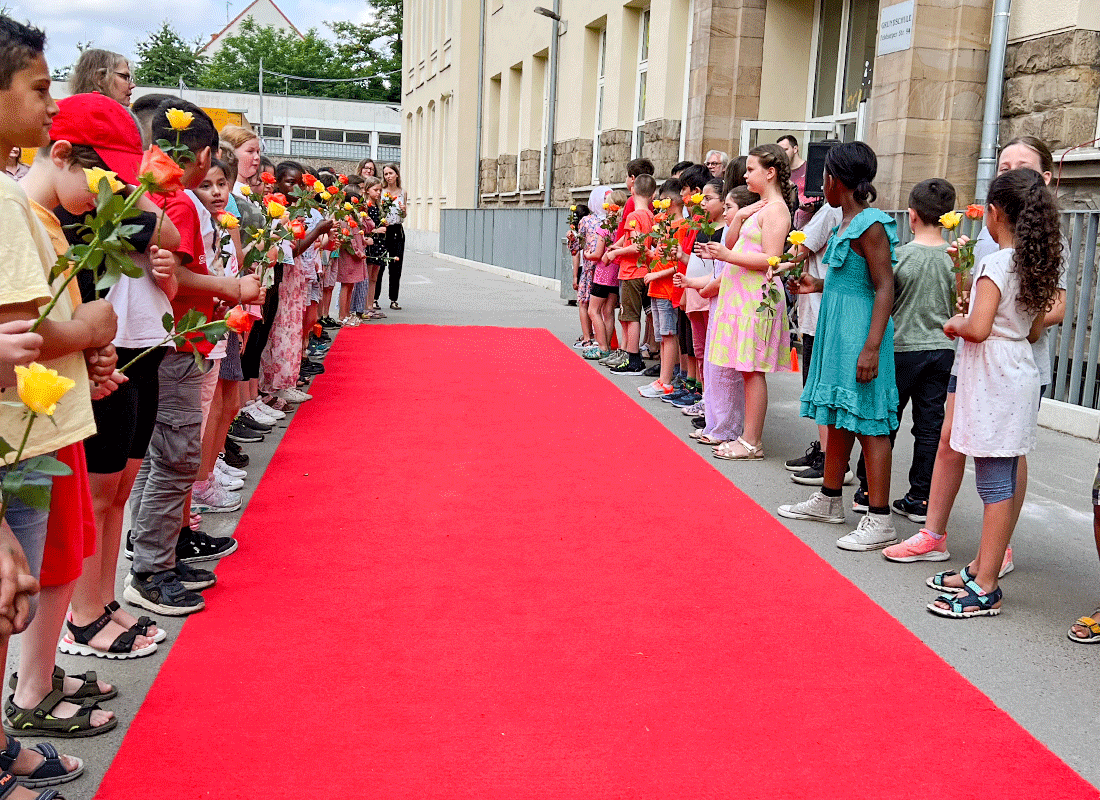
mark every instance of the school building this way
{"type": "Point", "coordinates": [488, 95]}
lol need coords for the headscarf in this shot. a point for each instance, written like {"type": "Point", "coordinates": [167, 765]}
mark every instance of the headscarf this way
{"type": "Point", "coordinates": [596, 201]}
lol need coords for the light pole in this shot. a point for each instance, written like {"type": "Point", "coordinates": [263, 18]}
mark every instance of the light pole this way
{"type": "Point", "coordinates": [548, 161]}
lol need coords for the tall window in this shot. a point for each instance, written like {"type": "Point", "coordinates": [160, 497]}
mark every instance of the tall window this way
{"type": "Point", "coordinates": [643, 74]}
{"type": "Point", "coordinates": [846, 36]}
{"type": "Point", "coordinates": [601, 63]}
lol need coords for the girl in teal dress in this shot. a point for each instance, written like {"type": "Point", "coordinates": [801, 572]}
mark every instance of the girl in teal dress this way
{"type": "Point", "coordinates": [850, 387]}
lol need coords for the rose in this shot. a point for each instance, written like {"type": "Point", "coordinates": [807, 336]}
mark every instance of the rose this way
{"type": "Point", "coordinates": [267, 178]}
{"type": "Point", "coordinates": [773, 261]}
{"type": "Point", "coordinates": [228, 221]}
{"type": "Point", "coordinates": [279, 197]}
{"type": "Point", "coordinates": [246, 191]}
{"type": "Point", "coordinates": [309, 179]}
{"type": "Point", "coordinates": [238, 320]}
{"type": "Point", "coordinates": [96, 174]}
{"type": "Point", "coordinates": [343, 179]}
{"type": "Point", "coordinates": [332, 190]}
{"type": "Point", "coordinates": [797, 237]}
{"type": "Point", "coordinates": [348, 206]}
{"type": "Point", "coordinates": [179, 120]}
{"type": "Point", "coordinates": [951, 220]}
{"type": "Point", "coordinates": [318, 187]}
{"type": "Point", "coordinates": [275, 209]}
{"type": "Point", "coordinates": [355, 200]}
{"type": "Point", "coordinates": [326, 196]}
{"type": "Point", "coordinates": [40, 388]}
{"type": "Point", "coordinates": [696, 199]}
{"type": "Point", "coordinates": [298, 229]}
{"type": "Point", "coordinates": [159, 172]}
{"type": "Point", "coordinates": [974, 211]}
{"type": "Point", "coordinates": [606, 206]}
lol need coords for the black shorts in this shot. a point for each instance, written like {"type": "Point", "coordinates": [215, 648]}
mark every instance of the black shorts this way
{"type": "Point", "coordinates": [599, 290]}
{"type": "Point", "coordinates": [124, 419]}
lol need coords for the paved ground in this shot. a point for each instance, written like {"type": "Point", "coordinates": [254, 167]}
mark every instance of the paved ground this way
{"type": "Point", "coordinates": [1021, 659]}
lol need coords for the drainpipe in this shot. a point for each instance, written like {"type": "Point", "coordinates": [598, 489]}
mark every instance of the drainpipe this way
{"type": "Point", "coordinates": [548, 162]}
{"type": "Point", "coordinates": [480, 103]}
{"type": "Point", "coordinates": [994, 86]}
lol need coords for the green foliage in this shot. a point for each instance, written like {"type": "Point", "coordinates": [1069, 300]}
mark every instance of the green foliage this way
{"type": "Point", "coordinates": [105, 248]}
{"type": "Point", "coordinates": [164, 57]}
{"type": "Point", "coordinates": [374, 48]}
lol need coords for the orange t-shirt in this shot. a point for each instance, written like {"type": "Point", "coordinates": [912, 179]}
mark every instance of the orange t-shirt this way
{"type": "Point", "coordinates": [664, 288]}
{"type": "Point", "coordinates": [628, 264]}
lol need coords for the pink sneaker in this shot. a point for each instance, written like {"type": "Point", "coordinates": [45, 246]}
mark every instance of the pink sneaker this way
{"type": "Point", "coordinates": [1006, 565]}
{"type": "Point", "coordinates": [921, 546]}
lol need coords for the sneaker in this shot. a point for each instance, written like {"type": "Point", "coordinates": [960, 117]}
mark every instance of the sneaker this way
{"type": "Point", "coordinates": [194, 545]}
{"type": "Point", "coordinates": [213, 499]}
{"type": "Point", "coordinates": [860, 502]}
{"type": "Point", "coordinates": [815, 476]}
{"type": "Point", "coordinates": [818, 508]}
{"type": "Point", "coordinates": [239, 433]}
{"type": "Point", "coordinates": [256, 415]}
{"type": "Point", "coordinates": [626, 368]}
{"type": "Point", "coordinates": [194, 579]}
{"type": "Point", "coordinates": [1006, 564]}
{"type": "Point", "coordinates": [655, 389]}
{"type": "Point", "coordinates": [813, 452]}
{"type": "Point", "coordinates": [913, 510]}
{"type": "Point", "coordinates": [329, 322]}
{"type": "Point", "coordinates": [594, 353]}
{"type": "Point", "coordinates": [874, 532]}
{"type": "Point", "coordinates": [253, 425]}
{"type": "Point", "coordinates": [162, 593]}
{"type": "Point", "coordinates": [694, 410]}
{"type": "Point", "coordinates": [653, 371]}
{"type": "Point", "coordinates": [311, 368]}
{"type": "Point", "coordinates": [679, 392]}
{"type": "Point", "coordinates": [295, 395]}
{"type": "Point", "coordinates": [699, 421]}
{"type": "Point", "coordinates": [225, 469]}
{"type": "Point", "coordinates": [269, 410]}
{"type": "Point", "coordinates": [921, 546]}
{"type": "Point", "coordinates": [227, 482]}
{"type": "Point", "coordinates": [614, 357]}
{"type": "Point", "coordinates": [236, 460]}
{"type": "Point", "coordinates": [688, 400]}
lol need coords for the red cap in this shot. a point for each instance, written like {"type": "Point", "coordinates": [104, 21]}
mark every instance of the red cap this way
{"type": "Point", "coordinates": [106, 126]}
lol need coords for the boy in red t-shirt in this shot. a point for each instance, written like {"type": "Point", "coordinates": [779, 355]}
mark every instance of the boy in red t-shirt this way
{"type": "Point", "coordinates": [159, 499]}
{"type": "Point", "coordinates": [631, 274]}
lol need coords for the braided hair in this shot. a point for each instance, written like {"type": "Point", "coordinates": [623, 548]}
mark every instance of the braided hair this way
{"type": "Point", "coordinates": [772, 155]}
{"type": "Point", "coordinates": [1032, 212]}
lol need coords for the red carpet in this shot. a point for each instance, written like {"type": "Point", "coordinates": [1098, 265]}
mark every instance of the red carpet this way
{"type": "Point", "coordinates": [438, 595]}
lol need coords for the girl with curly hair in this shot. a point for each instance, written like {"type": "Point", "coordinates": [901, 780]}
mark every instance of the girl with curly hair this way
{"type": "Point", "coordinates": [997, 393]}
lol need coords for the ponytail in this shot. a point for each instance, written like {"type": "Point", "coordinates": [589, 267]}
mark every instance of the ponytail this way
{"type": "Point", "coordinates": [1032, 212]}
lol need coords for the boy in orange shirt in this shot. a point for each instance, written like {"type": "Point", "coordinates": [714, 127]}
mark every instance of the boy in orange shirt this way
{"type": "Point", "coordinates": [631, 274]}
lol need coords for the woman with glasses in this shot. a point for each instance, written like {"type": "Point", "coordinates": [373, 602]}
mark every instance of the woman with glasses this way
{"type": "Point", "coordinates": [103, 72]}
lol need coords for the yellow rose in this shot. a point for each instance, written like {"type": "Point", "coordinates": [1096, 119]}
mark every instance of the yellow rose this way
{"type": "Point", "coordinates": [96, 174]}
{"type": "Point", "coordinates": [951, 220]}
{"type": "Point", "coordinates": [228, 221]}
{"type": "Point", "coordinates": [318, 187]}
{"type": "Point", "coordinates": [40, 388]}
{"type": "Point", "coordinates": [773, 261]}
{"type": "Point", "coordinates": [697, 199]}
{"type": "Point", "coordinates": [246, 191]}
{"type": "Point", "coordinates": [276, 210]}
{"type": "Point", "coordinates": [606, 206]}
{"type": "Point", "coordinates": [797, 237]}
{"type": "Point", "coordinates": [572, 208]}
{"type": "Point", "coordinates": [179, 120]}
{"type": "Point", "coordinates": [326, 196]}
{"type": "Point", "coordinates": [349, 207]}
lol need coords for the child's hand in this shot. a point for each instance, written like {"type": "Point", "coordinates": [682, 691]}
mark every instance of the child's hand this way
{"type": "Point", "coordinates": [648, 279]}
{"type": "Point", "coordinates": [962, 302]}
{"type": "Point", "coordinates": [164, 263]}
{"type": "Point", "coordinates": [678, 280]}
{"type": "Point", "coordinates": [953, 326]}
{"type": "Point", "coordinates": [953, 249]}
{"type": "Point", "coordinates": [17, 344]}
{"type": "Point", "coordinates": [867, 366]}
{"type": "Point", "coordinates": [324, 226]}
{"type": "Point", "coordinates": [746, 212]}
{"type": "Point", "coordinates": [100, 317]}
{"type": "Point", "coordinates": [101, 362]}
{"type": "Point", "coordinates": [250, 289]}
{"type": "Point", "coordinates": [804, 284]}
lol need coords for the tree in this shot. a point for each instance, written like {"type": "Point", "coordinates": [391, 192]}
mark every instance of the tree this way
{"type": "Point", "coordinates": [164, 57]}
{"type": "Point", "coordinates": [374, 48]}
{"type": "Point", "coordinates": [236, 65]}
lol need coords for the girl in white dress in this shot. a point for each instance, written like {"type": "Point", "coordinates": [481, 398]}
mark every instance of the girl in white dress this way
{"type": "Point", "coordinates": [997, 397]}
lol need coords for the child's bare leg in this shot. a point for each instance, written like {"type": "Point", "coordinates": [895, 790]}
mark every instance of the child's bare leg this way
{"type": "Point", "coordinates": [1021, 491]}
{"type": "Point", "coordinates": [838, 453]}
{"type": "Point", "coordinates": [586, 321]}
{"type": "Point", "coordinates": [756, 406]}
{"type": "Point", "coordinates": [598, 323]}
{"type": "Point", "coordinates": [878, 456]}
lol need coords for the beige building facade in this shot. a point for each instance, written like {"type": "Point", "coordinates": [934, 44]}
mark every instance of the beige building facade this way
{"type": "Point", "coordinates": [671, 79]}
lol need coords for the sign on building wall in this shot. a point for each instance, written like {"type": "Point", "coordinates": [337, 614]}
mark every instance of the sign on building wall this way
{"type": "Point", "coordinates": [895, 28]}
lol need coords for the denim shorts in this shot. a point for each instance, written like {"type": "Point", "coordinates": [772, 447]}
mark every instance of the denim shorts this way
{"type": "Point", "coordinates": [666, 319]}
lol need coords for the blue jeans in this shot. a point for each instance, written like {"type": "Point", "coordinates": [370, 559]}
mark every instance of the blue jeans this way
{"type": "Point", "coordinates": [29, 526]}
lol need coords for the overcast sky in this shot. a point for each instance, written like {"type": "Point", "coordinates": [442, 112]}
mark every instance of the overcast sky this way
{"type": "Point", "coordinates": [117, 24]}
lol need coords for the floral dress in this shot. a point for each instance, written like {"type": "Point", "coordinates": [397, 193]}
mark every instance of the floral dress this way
{"type": "Point", "coordinates": [589, 232]}
{"type": "Point", "coordinates": [282, 357]}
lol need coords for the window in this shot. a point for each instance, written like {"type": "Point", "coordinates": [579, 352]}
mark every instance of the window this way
{"type": "Point", "coordinates": [308, 134]}
{"type": "Point", "coordinates": [643, 74]}
{"type": "Point", "coordinates": [272, 131]}
{"type": "Point", "coordinates": [846, 36]}
{"type": "Point", "coordinates": [327, 135]}
{"type": "Point", "coordinates": [357, 137]}
{"type": "Point", "coordinates": [392, 139]}
{"type": "Point", "coordinates": [600, 70]}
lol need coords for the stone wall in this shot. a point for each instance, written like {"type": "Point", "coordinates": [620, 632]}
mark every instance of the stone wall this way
{"type": "Point", "coordinates": [614, 153]}
{"type": "Point", "coordinates": [506, 173]}
{"type": "Point", "coordinates": [488, 176]}
{"type": "Point", "coordinates": [572, 167]}
{"type": "Point", "coordinates": [529, 167]}
{"type": "Point", "coordinates": [1051, 88]}
{"type": "Point", "coordinates": [661, 145]}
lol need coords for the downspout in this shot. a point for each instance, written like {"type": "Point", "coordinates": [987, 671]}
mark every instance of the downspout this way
{"type": "Point", "coordinates": [994, 86]}
{"type": "Point", "coordinates": [480, 103]}
{"type": "Point", "coordinates": [687, 80]}
{"type": "Point", "coordinates": [548, 175]}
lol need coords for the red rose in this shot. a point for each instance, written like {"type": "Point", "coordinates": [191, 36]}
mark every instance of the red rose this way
{"type": "Point", "coordinates": [355, 200]}
{"type": "Point", "coordinates": [975, 211]}
{"type": "Point", "coordinates": [333, 190]}
{"type": "Point", "coordinates": [343, 179]}
{"type": "Point", "coordinates": [267, 178]}
{"type": "Point", "coordinates": [160, 172]}
{"type": "Point", "coordinates": [298, 229]}
{"type": "Point", "coordinates": [238, 320]}
{"type": "Point", "coordinates": [309, 179]}
{"type": "Point", "coordinates": [279, 197]}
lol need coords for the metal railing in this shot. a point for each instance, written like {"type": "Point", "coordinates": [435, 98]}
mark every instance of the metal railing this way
{"type": "Point", "coordinates": [1075, 344]}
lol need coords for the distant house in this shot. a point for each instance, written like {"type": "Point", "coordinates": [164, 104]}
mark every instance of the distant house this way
{"type": "Point", "coordinates": [263, 12]}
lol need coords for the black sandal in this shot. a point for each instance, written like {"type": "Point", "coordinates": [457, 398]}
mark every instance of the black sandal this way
{"type": "Point", "coordinates": [8, 782]}
{"type": "Point", "coordinates": [142, 626]}
{"type": "Point", "coordinates": [38, 721]}
{"type": "Point", "coordinates": [89, 690]}
{"type": "Point", "coordinates": [121, 647]}
{"type": "Point", "coordinates": [50, 772]}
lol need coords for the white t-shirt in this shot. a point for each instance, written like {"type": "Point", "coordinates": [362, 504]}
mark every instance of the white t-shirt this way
{"type": "Point", "coordinates": [817, 230]}
{"type": "Point", "coordinates": [211, 238]}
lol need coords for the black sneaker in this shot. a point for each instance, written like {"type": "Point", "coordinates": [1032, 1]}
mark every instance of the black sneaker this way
{"type": "Point", "coordinates": [329, 322]}
{"type": "Point", "coordinates": [194, 579]}
{"type": "Point", "coordinates": [913, 510]}
{"type": "Point", "coordinates": [653, 372]}
{"type": "Point", "coordinates": [815, 475]}
{"type": "Point", "coordinates": [128, 548]}
{"type": "Point", "coordinates": [195, 546]}
{"type": "Point", "coordinates": [813, 452]}
{"type": "Point", "coordinates": [699, 422]}
{"type": "Point", "coordinates": [163, 593]}
{"type": "Point", "coordinates": [239, 433]}
{"type": "Point", "coordinates": [629, 369]}
{"type": "Point", "coordinates": [236, 459]}
{"type": "Point", "coordinates": [860, 501]}
{"type": "Point", "coordinates": [253, 425]}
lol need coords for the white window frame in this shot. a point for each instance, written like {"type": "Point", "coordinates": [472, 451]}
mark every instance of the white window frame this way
{"type": "Point", "coordinates": [636, 138]}
{"type": "Point", "coordinates": [837, 118]}
{"type": "Point", "coordinates": [601, 66]}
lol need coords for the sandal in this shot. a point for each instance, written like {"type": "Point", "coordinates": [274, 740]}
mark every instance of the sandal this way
{"type": "Point", "coordinates": [394, 306]}
{"type": "Point", "coordinates": [50, 772]}
{"type": "Point", "coordinates": [89, 690]}
{"type": "Point", "coordinates": [970, 596]}
{"type": "Point", "coordinates": [38, 721]}
{"type": "Point", "coordinates": [751, 453]}
{"type": "Point", "coordinates": [142, 626]}
{"type": "Point", "coordinates": [78, 641]}
{"type": "Point", "coordinates": [707, 439]}
{"type": "Point", "coordinates": [8, 782]}
{"type": "Point", "coordinates": [1092, 627]}
{"type": "Point", "coordinates": [937, 581]}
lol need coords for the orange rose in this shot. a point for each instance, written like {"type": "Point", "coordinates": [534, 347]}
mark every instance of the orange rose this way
{"type": "Point", "coordinates": [343, 179]}
{"type": "Point", "coordinates": [308, 179]}
{"type": "Point", "coordinates": [332, 190]}
{"type": "Point", "coordinates": [160, 172]}
{"type": "Point", "coordinates": [974, 211]}
{"type": "Point", "coordinates": [355, 200]}
{"type": "Point", "coordinates": [238, 320]}
{"type": "Point", "coordinates": [267, 178]}
{"type": "Point", "coordinates": [298, 229]}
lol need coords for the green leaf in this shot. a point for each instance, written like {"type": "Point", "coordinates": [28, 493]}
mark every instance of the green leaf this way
{"type": "Point", "coordinates": [104, 196]}
{"type": "Point", "coordinates": [169, 323]}
{"type": "Point", "coordinates": [34, 495]}
{"type": "Point", "coordinates": [106, 281]}
{"type": "Point", "coordinates": [47, 465]}
{"type": "Point", "coordinates": [5, 449]}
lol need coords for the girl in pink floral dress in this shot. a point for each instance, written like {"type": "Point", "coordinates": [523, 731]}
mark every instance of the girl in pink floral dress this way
{"type": "Point", "coordinates": [752, 341]}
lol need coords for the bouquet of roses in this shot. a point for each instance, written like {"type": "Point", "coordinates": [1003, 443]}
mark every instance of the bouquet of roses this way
{"type": "Point", "coordinates": [964, 251]}
{"type": "Point", "coordinates": [611, 223]}
{"type": "Point", "coordinates": [662, 237]}
{"type": "Point", "coordinates": [771, 293]}
{"type": "Point", "coordinates": [697, 216]}
{"type": "Point", "coordinates": [261, 240]}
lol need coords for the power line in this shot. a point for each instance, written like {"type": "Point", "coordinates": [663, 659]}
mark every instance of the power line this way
{"type": "Point", "coordinates": [330, 80]}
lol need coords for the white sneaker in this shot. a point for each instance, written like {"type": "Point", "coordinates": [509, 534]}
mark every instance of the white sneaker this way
{"type": "Point", "coordinates": [295, 395]}
{"type": "Point", "coordinates": [227, 482]}
{"type": "Point", "coordinates": [874, 532]}
{"type": "Point", "coordinates": [257, 415]}
{"type": "Point", "coordinates": [818, 508]}
{"type": "Point", "coordinates": [225, 469]}
{"type": "Point", "coordinates": [264, 408]}
{"type": "Point", "coordinates": [655, 389]}
{"type": "Point", "coordinates": [210, 497]}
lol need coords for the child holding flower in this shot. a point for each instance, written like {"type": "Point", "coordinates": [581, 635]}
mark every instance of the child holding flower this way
{"type": "Point", "coordinates": [631, 273]}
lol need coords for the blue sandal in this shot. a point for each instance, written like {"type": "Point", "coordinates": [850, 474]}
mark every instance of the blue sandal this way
{"type": "Point", "coordinates": [982, 604]}
{"type": "Point", "coordinates": [937, 581]}
{"type": "Point", "coordinates": [50, 772]}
